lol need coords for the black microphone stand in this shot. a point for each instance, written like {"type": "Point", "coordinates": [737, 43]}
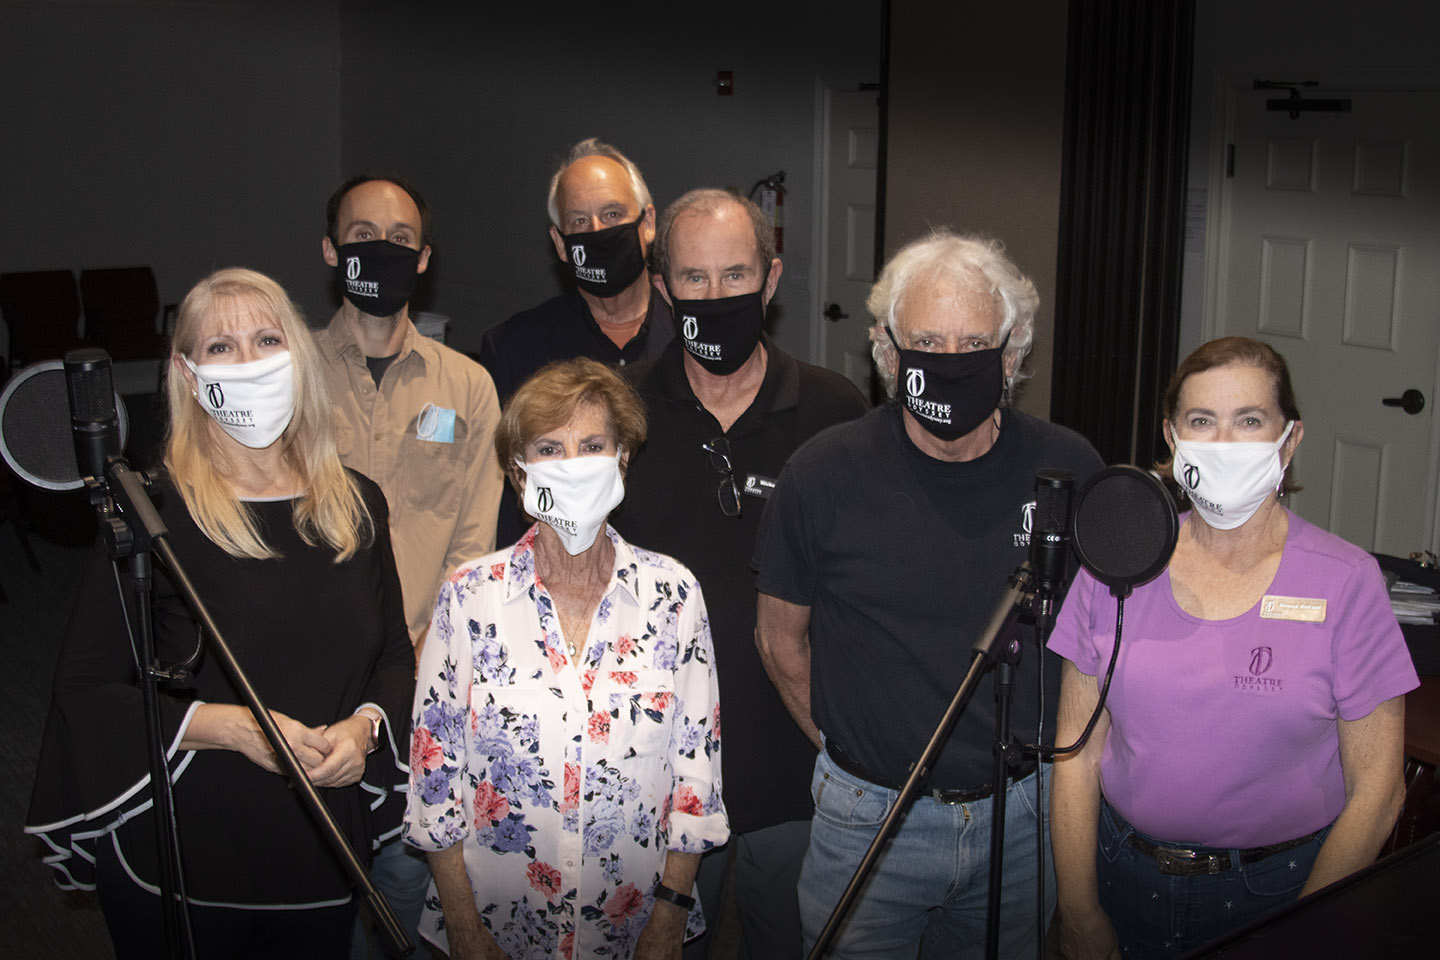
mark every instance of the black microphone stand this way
{"type": "Point", "coordinates": [1002, 623]}
{"type": "Point", "coordinates": [133, 528]}
{"type": "Point", "coordinates": [134, 542]}
{"type": "Point", "coordinates": [1007, 755]}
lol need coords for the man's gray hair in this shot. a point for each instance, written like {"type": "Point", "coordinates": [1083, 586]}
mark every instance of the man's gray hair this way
{"type": "Point", "coordinates": [967, 263]}
{"type": "Point", "coordinates": [595, 147]}
{"type": "Point", "coordinates": [710, 200]}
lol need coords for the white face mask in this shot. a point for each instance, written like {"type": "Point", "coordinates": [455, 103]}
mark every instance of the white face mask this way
{"type": "Point", "coordinates": [253, 402]}
{"type": "Point", "coordinates": [1227, 482]}
{"type": "Point", "coordinates": [574, 496]}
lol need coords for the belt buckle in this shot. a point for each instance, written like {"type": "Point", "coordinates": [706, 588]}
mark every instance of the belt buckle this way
{"type": "Point", "coordinates": [1172, 860]}
{"type": "Point", "coordinates": [955, 798]}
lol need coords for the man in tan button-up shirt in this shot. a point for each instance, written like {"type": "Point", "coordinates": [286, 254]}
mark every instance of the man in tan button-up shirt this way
{"type": "Point", "coordinates": [414, 416]}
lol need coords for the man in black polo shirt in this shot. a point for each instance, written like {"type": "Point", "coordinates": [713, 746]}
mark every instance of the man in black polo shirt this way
{"type": "Point", "coordinates": [602, 222]}
{"type": "Point", "coordinates": [883, 552]}
{"type": "Point", "coordinates": [727, 407]}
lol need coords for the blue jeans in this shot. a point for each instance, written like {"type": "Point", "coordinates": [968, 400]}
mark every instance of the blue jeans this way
{"type": "Point", "coordinates": [929, 892]}
{"type": "Point", "coordinates": [1158, 915]}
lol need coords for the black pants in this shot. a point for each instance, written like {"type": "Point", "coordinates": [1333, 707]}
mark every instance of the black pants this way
{"type": "Point", "coordinates": [138, 930]}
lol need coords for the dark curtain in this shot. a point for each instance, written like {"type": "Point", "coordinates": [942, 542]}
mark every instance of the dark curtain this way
{"type": "Point", "coordinates": [1122, 218]}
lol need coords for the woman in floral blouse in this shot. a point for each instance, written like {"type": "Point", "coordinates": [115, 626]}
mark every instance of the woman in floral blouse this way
{"type": "Point", "coordinates": [565, 766]}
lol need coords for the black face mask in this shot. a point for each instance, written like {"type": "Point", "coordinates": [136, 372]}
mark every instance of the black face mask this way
{"type": "Point", "coordinates": [608, 261]}
{"type": "Point", "coordinates": [378, 276]}
{"type": "Point", "coordinates": [722, 333]}
{"type": "Point", "coordinates": [950, 394]}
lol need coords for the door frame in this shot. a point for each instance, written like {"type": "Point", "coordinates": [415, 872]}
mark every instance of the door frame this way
{"type": "Point", "coordinates": [819, 234]}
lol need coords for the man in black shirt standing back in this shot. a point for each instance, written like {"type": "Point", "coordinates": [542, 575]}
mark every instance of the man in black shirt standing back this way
{"type": "Point", "coordinates": [602, 222]}
{"type": "Point", "coordinates": [727, 407]}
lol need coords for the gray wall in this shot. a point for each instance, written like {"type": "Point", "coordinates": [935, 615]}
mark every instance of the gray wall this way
{"type": "Point", "coordinates": [977, 111]}
{"type": "Point", "coordinates": [191, 136]}
{"type": "Point", "coordinates": [186, 136]}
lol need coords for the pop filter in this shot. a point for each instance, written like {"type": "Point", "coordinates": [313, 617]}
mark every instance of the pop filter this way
{"type": "Point", "coordinates": [1125, 527]}
{"type": "Point", "coordinates": [36, 437]}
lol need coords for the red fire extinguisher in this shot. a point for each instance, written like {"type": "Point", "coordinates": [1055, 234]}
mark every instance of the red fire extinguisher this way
{"type": "Point", "coordinates": [772, 204]}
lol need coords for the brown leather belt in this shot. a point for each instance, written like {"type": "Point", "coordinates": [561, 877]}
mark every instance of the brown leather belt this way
{"type": "Point", "coordinates": [970, 795]}
{"type": "Point", "coordinates": [1187, 862]}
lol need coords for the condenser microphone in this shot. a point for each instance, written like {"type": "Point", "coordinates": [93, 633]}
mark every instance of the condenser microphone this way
{"type": "Point", "coordinates": [1050, 529]}
{"type": "Point", "coordinates": [36, 438]}
{"type": "Point", "coordinates": [93, 421]}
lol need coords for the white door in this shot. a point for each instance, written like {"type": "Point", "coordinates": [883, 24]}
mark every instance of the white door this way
{"type": "Point", "coordinates": [1330, 252]}
{"type": "Point", "coordinates": [851, 122]}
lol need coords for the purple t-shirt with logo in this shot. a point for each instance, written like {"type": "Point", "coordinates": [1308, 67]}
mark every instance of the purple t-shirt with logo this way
{"type": "Point", "coordinates": [1223, 732]}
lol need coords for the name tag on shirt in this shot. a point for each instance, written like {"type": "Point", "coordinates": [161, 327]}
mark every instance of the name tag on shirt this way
{"type": "Point", "coordinates": [1300, 609]}
{"type": "Point", "coordinates": [758, 486]}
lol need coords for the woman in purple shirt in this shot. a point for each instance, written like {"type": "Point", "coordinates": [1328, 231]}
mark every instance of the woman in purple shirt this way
{"type": "Point", "coordinates": [1250, 750]}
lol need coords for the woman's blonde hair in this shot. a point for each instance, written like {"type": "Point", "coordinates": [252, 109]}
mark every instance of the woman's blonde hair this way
{"type": "Point", "coordinates": [331, 510]}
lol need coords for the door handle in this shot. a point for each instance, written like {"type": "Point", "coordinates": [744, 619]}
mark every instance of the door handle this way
{"type": "Point", "coordinates": [834, 313]}
{"type": "Point", "coordinates": [1411, 401]}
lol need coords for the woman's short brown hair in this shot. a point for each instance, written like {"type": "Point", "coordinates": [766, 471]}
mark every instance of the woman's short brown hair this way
{"type": "Point", "coordinates": [1223, 352]}
{"type": "Point", "coordinates": [549, 399]}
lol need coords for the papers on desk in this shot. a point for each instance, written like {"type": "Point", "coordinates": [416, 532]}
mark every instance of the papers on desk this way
{"type": "Point", "coordinates": [1413, 603]}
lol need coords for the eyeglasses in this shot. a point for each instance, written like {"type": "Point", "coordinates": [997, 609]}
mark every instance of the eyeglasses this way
{"type": "Point", "coordinates": [727, 492]}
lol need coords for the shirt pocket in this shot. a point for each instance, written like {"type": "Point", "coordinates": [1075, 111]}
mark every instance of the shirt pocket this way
{"type": "Point", "coordinates": [641, 708]}
{"type": "Point", "coordinates": [431, 474]}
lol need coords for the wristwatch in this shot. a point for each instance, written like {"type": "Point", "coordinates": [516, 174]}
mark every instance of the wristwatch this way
{"type": "Point", "coordinates": [685, 903]}
{"type": "Point", "coordinates": [374, 743]}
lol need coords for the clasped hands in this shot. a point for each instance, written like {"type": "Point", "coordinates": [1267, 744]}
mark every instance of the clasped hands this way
{"type": "Point", "coordinates": [332, 755]}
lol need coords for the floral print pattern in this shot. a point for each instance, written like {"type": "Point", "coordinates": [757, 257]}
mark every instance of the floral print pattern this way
{"type": "Point", "coordinates": [566, 783]}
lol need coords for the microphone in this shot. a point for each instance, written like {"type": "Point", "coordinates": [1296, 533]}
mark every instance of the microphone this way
{"type": "Point", "coordinates": [1050, 529]}
{"type": "Point", "coordinates": [94, 422]}
{"type": "Point", "coordinates": [36, 439]}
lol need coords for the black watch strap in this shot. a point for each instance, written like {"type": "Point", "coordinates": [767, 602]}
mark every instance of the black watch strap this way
{"type": "Point", "coordinates": [685, 903]}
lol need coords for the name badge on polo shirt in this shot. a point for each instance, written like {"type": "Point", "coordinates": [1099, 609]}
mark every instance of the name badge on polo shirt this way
{"type": "Point", "coordinates": [1299, 609]}
{"type": "Point", "coordinates": [436, 424]}
{"type": "Point", "coordinates": [758, 486]}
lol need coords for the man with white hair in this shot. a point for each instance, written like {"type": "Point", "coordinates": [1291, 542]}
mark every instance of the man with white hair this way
{"type": "Point", "coordinates": [602, 222]}
{"type": "Point", "coordinates": [881, 556]}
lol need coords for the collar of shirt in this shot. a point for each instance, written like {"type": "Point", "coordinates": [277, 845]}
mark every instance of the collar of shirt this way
{"type": "Point", "coordinates": [1010, 439]}
{"type": "Point", "coordinates": [634, 348]}
{"type": "Point", "coordinates": [340, 341]}
{"type": "Point", "coordinates": [780, 390]}
{"type": "Point", "coordinates": [520, 572]}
